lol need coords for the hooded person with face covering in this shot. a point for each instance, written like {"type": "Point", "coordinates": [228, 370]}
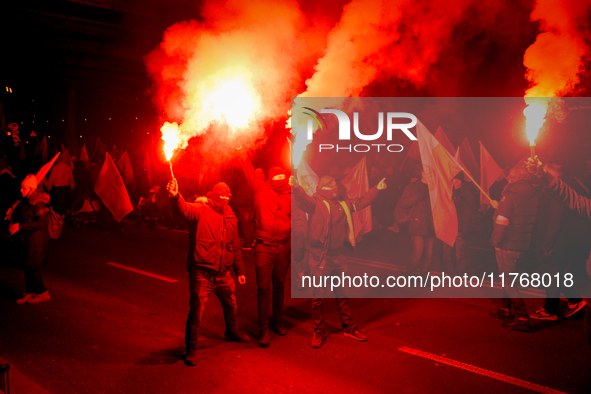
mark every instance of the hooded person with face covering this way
{"type": "Point", "coordinates": [272, 251]}
{"type": "Point", "coordinates": [29, 220]}
{"type": "Point", "coordinates": [214, 248]}
{"type": "Point", "coordinates": [330, 224]}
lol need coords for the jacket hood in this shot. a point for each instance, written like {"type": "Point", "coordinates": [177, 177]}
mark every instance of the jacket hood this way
{"type": "Point", "coordinates": [38, 197]}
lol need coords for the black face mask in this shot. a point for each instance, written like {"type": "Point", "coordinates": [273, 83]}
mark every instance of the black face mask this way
{"type": "Point", "coordinates": [279, 185]}
{"type": "Point", "coordinates": [331, 194]}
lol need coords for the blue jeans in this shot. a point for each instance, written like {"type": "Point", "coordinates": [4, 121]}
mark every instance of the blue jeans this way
{"type": "Point", "coordinates": [271, 265]}
{"type": "Point", "coordinates": [201, 284]}
{"type": "Point", "coordinates": [507, 261]}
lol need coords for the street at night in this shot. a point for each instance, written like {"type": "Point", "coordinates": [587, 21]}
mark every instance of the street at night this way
{"type": "Point", "coordinates": [111, 330]}
{"type": "Point", "coordinates": [295, 196]}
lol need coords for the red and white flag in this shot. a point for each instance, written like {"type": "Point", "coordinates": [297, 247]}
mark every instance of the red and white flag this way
{"type": "Point", "coordinates": [307, 178]}
{"type": "Point", "coordinates": [443, 140]}
{"type": "Point", "coordinates": [357, 184]}
{"type": "Point", "coordinates": [465, 157]}
{"type": "Point", "coordinates": [111, 189]}
{"type": "Point", "coordinates": [489, 173]}
{"type": "Point", "coordinates": [440, 168]}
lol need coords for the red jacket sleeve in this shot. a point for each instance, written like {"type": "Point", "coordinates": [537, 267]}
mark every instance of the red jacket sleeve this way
{"type": "Point", "coordinates": [190, 211]}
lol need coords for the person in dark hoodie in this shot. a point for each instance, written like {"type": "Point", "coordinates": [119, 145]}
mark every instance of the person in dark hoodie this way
{"type": "Point", "coordinates": [330, 223]}
{"type": "Point", "coordinates": [514, 222]}
{"type": "Point", "coordinates": [272, 234]}
{"type": "Point", "coordinates": [214, 249]}
{"type": "Point", "coordinates": [465, 201]}
{"type": "Point", "coordinates": [29, 228]}
{"type": "Point", "coordinates": [558, 245]}
{"type": "Point", "coordinates": [415, 199]}
{"type": "Point", "coordinates": [570, 199]}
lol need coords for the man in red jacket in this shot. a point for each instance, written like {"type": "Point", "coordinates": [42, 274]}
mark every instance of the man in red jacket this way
{"type": "Point", "coordinates": [213, 250]}
{"type": "Point", "coordinates": [272, 234]}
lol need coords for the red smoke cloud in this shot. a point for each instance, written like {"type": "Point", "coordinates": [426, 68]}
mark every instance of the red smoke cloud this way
{"type": "Point", "coordinates": [269, 48]}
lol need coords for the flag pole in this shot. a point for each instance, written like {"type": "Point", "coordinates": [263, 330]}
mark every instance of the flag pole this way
{"type": "Point", "coordinates": [470, 177]}
{"type": "Point", "coordinates": [477, 185]}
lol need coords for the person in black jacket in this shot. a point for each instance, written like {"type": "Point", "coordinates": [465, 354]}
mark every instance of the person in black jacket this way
{"type": "Point", "coordinates": [465, 201]}
{"type": "Point", "coordinates": [214, 249]}
{"type": "Point", "coordinates": [30, 230]}
{"type": "Point", "coordinates": [569, 198]}
{"type": "Point", "coordinates": [415, 198]}
{"type": "Point", "coordinates": [514, 221]}
{"type": "Point", "coordinates": [330, 223]}
{"type": "Point", "coordinates": [558, 245]}
{"type": "Point", "coordinates": [272, 234]}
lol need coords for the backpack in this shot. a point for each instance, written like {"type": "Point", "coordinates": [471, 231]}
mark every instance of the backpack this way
{"type": "Point", "coordinates": [56, 223]}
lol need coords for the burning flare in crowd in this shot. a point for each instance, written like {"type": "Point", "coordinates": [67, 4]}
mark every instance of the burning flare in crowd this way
{"type": "Point", "coordinates": [555, 59]}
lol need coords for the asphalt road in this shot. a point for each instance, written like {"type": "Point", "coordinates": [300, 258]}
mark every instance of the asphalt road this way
{"type": "Point", "coordinates": [110, 330]}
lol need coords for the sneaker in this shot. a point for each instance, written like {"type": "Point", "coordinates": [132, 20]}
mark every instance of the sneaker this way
{"type": "Point", "coordinates": [356, 334]}
{"type": "Point", "coordinates": [541, 314]}
{"type": "Point", "coordinates": [279, 328]}
{"type": "Point", "coordinates": [500, 313]}
{"type": "Point", "coordinates": [191, 357]}
{"type": "Point", "coordinates": [24, 298]}
{"type": "Point", "coordinates": [574, 307]}
{"type": "Point", "coordinates": [518, 324]}
{"type": "Point", "coordinates": [318, 338]}
{"type": "Point", "coordinates": [237, 336]}
{"type": "Point", "coordinates": [264, 337]}
{"type": "Point", "coordinates": [38, 298]}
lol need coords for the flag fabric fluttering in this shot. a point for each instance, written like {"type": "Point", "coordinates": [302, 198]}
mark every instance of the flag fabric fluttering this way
{"type": "Point", "coordinates": [43, 149]}
{"type": "Point", "coordinates": [111, 189]}
{"type": "Point", "coordinates": [124, 165]}
{"type": "Point", "coordinates": [465, 157]}
{"type": "Point", "coordinates": [489, 173]}
{"type": "Point", "coordinates": [115, 154]}
{"type": "Point", "coordinates": [441, 137]}
{"type": "Point", "coordinates": [440, 168]}
{"type": "Point", "coordinates": [84, 156]}
{"type": "Point", "coordinates": [357, 184]}
{"type": "Point", "coordinates": [45, 169]}
{"type": "Point", "coordinates": [100, 147]}
{"type": "Point", "coordinates": [67, 158]}
{"type": "Point", "coordinates": [307, 178]}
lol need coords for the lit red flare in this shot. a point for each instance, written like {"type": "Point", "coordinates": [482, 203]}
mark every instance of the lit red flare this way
{"type": "Point", "coordinates": [170, 136]}
{"type": "Point", "coordinates": [535, 114]}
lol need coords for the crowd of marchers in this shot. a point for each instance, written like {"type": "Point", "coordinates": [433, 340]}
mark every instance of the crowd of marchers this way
{"type": "Point", "coordinates": [538, 214]}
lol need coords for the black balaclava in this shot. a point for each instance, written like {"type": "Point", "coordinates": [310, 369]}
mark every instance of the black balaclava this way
{"type": "Point", "coordinates": [219, 190]}
{"type": "Point", "coordinates": [327, 188]}
{"type": "Point", "coordinates": [278, 185]}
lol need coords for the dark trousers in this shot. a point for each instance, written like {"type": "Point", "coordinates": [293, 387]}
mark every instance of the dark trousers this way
{"type": "Point", "coordinates": [247, 222]}
{"type": "Point", "coordinates": [271, 265]}
{"type": "Point", "coordinates": [507, 261]}
{"type": "Point", "coordinates": [460, 265]}
{"type": "Point", "coordinates": [422, 253]}
{"type": "Point", "coordinates": [333, 267]}
{"type": "Point", "coordinates": [34, 282]}
{"type": "Point", "coordinates": [201, 285]}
